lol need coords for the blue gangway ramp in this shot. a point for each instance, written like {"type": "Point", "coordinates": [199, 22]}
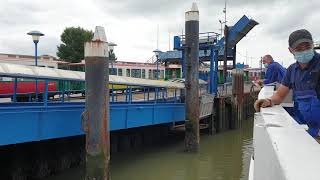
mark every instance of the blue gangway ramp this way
{"type": "Point", "coordinates": [35, 121]}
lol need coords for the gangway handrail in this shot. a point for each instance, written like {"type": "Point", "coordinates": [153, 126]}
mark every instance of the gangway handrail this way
{"type": "Point", "coordinates": [204, 38]}
{"type": "Point", "coordinates": [33, 72]}
{"type": "Point", "coordinates": [47, 74]}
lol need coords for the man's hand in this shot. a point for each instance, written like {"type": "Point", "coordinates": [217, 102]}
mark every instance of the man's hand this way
{"type": "Point", "coordinates": [262, 103]}
{"type": "Point", "coordinates": [259, 82]}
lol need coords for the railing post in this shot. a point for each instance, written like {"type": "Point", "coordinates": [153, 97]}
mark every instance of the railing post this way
{"type": "Point", "coordinates": [112, 95]}
{"type": "Point", "coordinates": [127, 92]}
{"type": "Point", "coordinates": [166, 93]}
{"type": "Point", "coordinates": [96, 124]}
{"type": "Point", "coordinates": [46, 89]}
{"type": "Point", "coordinates": [36, 90]}
{"type": "Point", "coordinates": [156, 95]}
{"type": "Point", "coordinates": [63, 90]}
{"type": "Point", "coordinates": [211, 71]}
{"type": "Point", "coordinates": [130, 95]}
{"type": "Point", "coordinates": [116, 96]}
{"type": "Point", "coordinates": [144, 94]}
{"type": "Point", "coordinates": [15, 87]}
{"type": "Point", "coordinates": [163, 92]}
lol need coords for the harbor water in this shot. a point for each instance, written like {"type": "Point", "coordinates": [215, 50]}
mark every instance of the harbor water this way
{"type": "Point", "coordinates": [224, 156]}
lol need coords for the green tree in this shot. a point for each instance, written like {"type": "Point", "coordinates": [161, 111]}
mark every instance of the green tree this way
{"type": "Point", "coordinates": [72, 47]}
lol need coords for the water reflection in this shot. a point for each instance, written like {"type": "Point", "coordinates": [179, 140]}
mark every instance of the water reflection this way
{"type": "Point", "coordinates": [224, 156]}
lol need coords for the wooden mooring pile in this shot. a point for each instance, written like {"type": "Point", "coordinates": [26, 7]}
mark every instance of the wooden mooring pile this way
{"type": "Point", "coordinates": [233, 108]}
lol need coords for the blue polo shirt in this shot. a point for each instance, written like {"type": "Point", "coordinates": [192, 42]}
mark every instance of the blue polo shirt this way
{"type": "Point", "coordinates": [275, 73]}
{"type": "Point", "coordinates": [299, 79]}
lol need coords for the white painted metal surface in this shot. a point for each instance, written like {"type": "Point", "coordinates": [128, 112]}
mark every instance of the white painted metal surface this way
{"type": "Point", "coordinates": [251, 170]}
{"type": "Point", "coordinates": [99, 34]}
{"type": "Point", "coordinates": [96, 49]}
{"type": "Point", "coordinates": [13, 70]}
{"type": "Point", "coordinates": [193, 15]}
{"type": "Point", "coordinates": [283, 150]}
{"type": "Point", "coordinates": [206, 105]}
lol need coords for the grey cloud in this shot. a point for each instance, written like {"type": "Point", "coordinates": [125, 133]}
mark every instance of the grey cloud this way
{"type": "Point", "coordinates": [166, 12]}
{"type": "Point", "coordinates": [47, 45]}
{"type": "Point", "coordinates": [138, 8]}
{"type": "Point", "coordinates": [295, 17]}
{"type": "Point", "coordinates": [18, 13]}
{"type": "Point", "coordinates": [239, 3]}
{"type": "Point", "coordinates": [17, 17]}
{"type": "Point", "coordinates": [169, 7]}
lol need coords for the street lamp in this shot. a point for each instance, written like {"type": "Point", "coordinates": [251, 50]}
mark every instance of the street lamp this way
{"type": "Point", "coordinates": [221, 27]}
{"type": "Point", "coordinates": [111, 45]}
{"type": "Point", "coordinates": [111, 48]}
{"type": "Point", "coordinates": [157, 52]}
{"type": "Point", "coordinates": [35, 37]}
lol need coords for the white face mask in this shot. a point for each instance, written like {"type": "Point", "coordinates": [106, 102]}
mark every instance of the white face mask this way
{"type": "Point", "coordinates": [304, 56]}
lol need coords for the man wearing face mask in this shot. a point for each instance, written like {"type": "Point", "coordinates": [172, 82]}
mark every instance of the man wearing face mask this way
{"type": "Point", "coordinates": [303, 78]}
{"type": "Point", "coordinates": [275, 72]}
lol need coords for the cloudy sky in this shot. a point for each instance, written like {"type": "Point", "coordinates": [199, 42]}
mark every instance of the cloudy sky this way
{"type": "Point", "coordinates": [132, 24]}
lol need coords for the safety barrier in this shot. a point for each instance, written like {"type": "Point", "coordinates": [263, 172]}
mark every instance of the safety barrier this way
{"type": "Point", "coordinates": [206, 105]}
{"type": "Point", "coordinates": [283, 149]}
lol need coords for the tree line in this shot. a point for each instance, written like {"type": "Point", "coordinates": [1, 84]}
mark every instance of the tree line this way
{"type": "Point", "coordinates": [72, 47]}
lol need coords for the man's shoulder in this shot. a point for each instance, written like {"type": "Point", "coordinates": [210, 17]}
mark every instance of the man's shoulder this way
{"type": "Point", "coordinates": [292, 66]}
{"type": "Point", "coordinates": [272, 65]}
{"type": "Point", "coordinates": [315, 62]}
{"type": "Point", "coordinates": [317, 57]}
{"type": "Point", "coordinates": [275, 64]}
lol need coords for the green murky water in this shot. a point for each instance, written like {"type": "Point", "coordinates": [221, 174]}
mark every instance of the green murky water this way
{"type": "Point", "coordinates": [224, 156]}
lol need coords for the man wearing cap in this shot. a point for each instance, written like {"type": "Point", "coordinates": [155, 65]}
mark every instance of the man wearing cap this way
{"type": "Point", "coordinates": [275, 72]}
{"type": "Point", "coordinates": [303, 78]}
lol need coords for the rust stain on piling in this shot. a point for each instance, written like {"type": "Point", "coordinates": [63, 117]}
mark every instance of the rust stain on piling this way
{"type": "Point", "coordinates": [105, 141]}
{"type": "Point", "coordinates": [97, 134]}
{"type": "Point", "coordinates": [84, 121]}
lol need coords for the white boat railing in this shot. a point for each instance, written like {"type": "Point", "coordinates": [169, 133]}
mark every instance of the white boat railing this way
{"type": "Point", "coordinates": [283, 150]}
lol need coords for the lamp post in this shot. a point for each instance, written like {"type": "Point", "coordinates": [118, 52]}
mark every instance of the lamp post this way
{"type": "Point", "coordinates": [111, 48]}
{"type": "Point", "coordinates": [221, 27]}
{"type": "Point", "coordinates": [157, 52]}
{"type": "Point", "coordinates": [112, 58]}
{"type": "Point", "coordinates": [35, 37]}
